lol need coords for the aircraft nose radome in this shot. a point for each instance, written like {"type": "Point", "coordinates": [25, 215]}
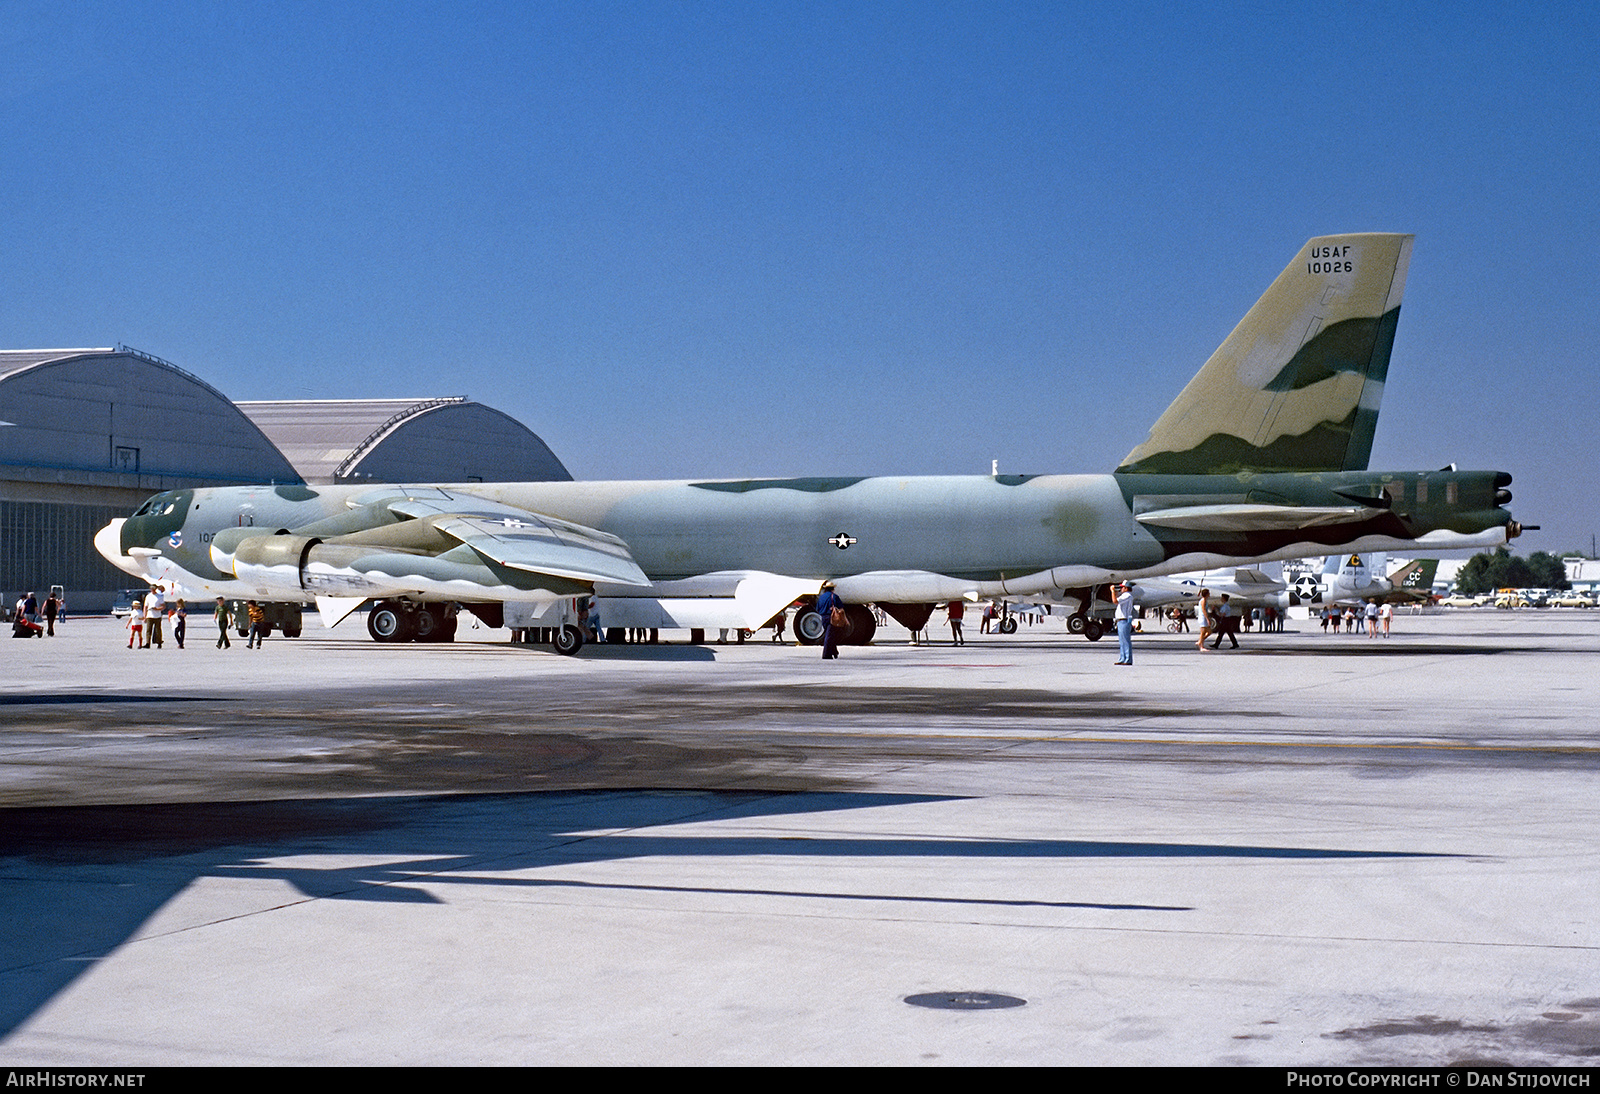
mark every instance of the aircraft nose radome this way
{"type": "Point", "coordinates": [108, 541]}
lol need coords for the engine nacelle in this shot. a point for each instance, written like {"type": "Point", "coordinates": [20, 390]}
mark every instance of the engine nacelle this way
{"type": "Point", "coordinates": [273, 565]}
{"type": "Point", "coordinates": [290, 567]}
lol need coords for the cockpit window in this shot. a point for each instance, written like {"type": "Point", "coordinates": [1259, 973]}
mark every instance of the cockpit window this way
{"type": "Point", "coordinates": [158, 506]}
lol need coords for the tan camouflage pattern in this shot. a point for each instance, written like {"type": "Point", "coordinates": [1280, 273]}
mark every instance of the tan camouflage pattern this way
{"type": "Point", "coordinates": [1296, 386]}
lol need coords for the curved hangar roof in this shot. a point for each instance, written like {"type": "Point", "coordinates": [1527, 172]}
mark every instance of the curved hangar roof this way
{"type": "Point", "coordinates": [118, 417]}
{"type": "Point", "coordinates": [405, 440]}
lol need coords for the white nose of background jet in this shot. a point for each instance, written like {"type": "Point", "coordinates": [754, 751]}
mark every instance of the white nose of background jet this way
{"type": "Point", "coordinates": [108, 541]}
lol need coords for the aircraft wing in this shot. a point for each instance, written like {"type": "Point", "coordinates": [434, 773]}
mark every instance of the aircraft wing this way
{"type": "Point", "coordinates": [528, 541]}
{"type": "Point", "coordinates": [448, 547]}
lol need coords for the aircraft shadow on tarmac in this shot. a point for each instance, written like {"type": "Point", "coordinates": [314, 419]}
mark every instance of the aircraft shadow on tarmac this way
{"type": "Point", "coordinates": [1379, 648]}
{"type": "Point", "coordinates": [644, 651]}
{"type": "Point", "coordinates": [611, 651]}
{"type": "Point", "coordinates": [85, 698]}
{"type": "Point", "coordinates": [80, 882]}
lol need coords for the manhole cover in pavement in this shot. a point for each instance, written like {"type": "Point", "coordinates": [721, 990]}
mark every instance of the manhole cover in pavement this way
{"type": "Point", "coordinates": [965, 1000]}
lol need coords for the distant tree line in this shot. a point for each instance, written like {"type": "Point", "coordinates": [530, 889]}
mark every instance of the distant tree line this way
{"type": "Point", "coordinates": [1485, 573]}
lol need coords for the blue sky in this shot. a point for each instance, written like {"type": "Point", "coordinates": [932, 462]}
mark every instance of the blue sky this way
{"type": "Point", "coordinates": [720, 239]}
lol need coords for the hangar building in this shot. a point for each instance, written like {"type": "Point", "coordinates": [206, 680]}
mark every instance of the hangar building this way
{"type": "Point", "coordinates": [86, 435]}
{"type": "Point", "coordinates": [404, 440]}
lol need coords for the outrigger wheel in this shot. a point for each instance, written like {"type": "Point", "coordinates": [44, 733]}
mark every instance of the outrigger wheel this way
{"type": "Point", "coordinates": [567, 640]}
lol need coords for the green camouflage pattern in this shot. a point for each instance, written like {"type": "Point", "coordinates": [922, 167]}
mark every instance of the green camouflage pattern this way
{"type": "Point", "coordinates": [1296, 386]}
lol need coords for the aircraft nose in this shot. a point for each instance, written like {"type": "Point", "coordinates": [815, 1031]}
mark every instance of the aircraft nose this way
{"type": "Point", "coordinates": [108, 541]}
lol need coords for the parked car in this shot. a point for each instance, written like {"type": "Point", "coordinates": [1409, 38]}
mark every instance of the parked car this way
{"type": "Point", "coordinates": [122, 606]}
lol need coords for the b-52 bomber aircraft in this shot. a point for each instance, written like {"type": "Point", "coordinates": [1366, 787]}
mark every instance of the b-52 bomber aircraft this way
{"type": "Point", "coordinates": [1262, 456]}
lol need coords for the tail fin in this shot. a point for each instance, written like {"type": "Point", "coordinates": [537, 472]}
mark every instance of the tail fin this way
{"type": "Point", "coordinates": [1296, 386]}
{"type": "Point", "coordinates": [1358, 571]}
{"type": "Point", "coordinates": [1416, 576]}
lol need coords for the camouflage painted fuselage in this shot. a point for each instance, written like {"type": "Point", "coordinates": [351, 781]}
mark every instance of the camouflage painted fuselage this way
{"type": "Point", "coordinates": [925, 535]}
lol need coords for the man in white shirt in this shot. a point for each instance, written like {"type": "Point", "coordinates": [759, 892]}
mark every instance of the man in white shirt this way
{"type": "Point", "coordinates": [1124, 619]}
{"type": "Point", "coordinates": [155, 609]}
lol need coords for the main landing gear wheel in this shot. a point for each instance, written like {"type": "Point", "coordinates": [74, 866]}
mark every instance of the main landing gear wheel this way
{"type": "Point", "coordinates": [1008, 625]}
{"type": "Point", "coordinates": [389, 622]}
{"type": "Point", "coordinates": [863, 625]}
{"type": "Point", "coordinates": [567, 640]}
{"type": "Point", "coordinates": [434, 623]}
{"type": "Point", "coordinates": [808, 626]}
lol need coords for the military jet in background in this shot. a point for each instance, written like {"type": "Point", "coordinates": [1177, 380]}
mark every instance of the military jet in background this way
{"type": "Point", "coordinates": [1413, 582]}
{"type": "Point", "coordinates": [1357, 578]}
{"type": "Point", "coordinates": [1262, 456]}
{"type": "Point", "coordinates": [1245, 587]}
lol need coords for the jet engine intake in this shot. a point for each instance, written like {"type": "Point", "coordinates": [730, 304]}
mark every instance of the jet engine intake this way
{"type": "Point", "coordinates": [274, 565]}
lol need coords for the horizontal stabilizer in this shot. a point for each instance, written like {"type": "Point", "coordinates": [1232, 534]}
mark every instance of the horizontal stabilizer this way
{"type": "Point", "coordinates": [1250, 517]}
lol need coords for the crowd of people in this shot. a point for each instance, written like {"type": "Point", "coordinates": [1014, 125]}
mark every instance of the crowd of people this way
{"type": "Point", "coordinates": [155, 615]}
{"type": "Point", "coordinates": [27, 615]}
{"type": "Point", "coordinates": [1377, 618]}
{"type": "Point", "coordinates": [150, 613]}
